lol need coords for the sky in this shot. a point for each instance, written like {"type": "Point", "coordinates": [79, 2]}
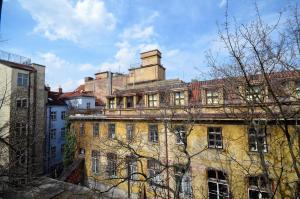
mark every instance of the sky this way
{"type": "Point", "coordinates": [77, 38]}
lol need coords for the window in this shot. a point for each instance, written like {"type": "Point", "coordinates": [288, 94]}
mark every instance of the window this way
{"type": "Point", "coordinates": [111, 103]}
{"type": "Point", "coordinates": [112, 165]}
{"type": "Point", "coordinates": [253, 93]}
{"type": "Point", "coordinates": [63, 132]}
{"type": "Point", "coordinates": [21, 103]}
{"type": "Point", "coordinates": [180, 132]}
{"type": "Point", "coordinates": [129, 131]}
{"type": "Point", "coordinates": [81, 129]}
{"type": "Point", "coordinates": [111, 131]}
{"type": "Point", "coordinates": [62, 149]}
{"type": "Point", "coordinates": [152, 100]}
{"type": "Point", "coordinates": [129, 102]}
{"type": "Point", "coordinates": [153, 167]}
{"type": "Point", "coordinates": [217, 184]}
{"type": "Point", "coordinates": [179, 98]}
{"type": "Point", "coordinates": [53, 152]}
{"type": "Point", "coordinates": [257, 139]}
{"type": "Point", "coordinates": [153, 133]}
{"type": "Point", "coordinates": [131, 167]}
{"type": "Point", "coordinates": [95, 129]}
{"type": "Point", "coordinates": [53, 134]}
{"type": "Point", "coordinates": [95, 161]}
{"type": "Point", "coordinates": [88, 105]}
{"type": "Point", "coordinates": [257, 187]}
{"type": "Point", "coordinates": [297, 89]}
{"type": "Point", "coordinates": [212, 97]}
{"type": "Point", "coordinates": [22, 79]}
{"type": "Point", "coordinates": [53, 115]}
{"type": "Point", "coordinates": [215, 137]}
{"type": "Point", "coordinates": [183, 182]}
{"type": "Point", "coordinates": [21, 129]}
{"type": "Point", "coordinates": [63, 115]}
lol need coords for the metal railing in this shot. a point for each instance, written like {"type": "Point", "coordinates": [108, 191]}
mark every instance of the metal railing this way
{"type": "Point", "coordinates": [14, 58]}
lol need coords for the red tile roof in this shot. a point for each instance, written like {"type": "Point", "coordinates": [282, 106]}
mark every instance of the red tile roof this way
{"type": "Point", "coordinates": [54, 98]}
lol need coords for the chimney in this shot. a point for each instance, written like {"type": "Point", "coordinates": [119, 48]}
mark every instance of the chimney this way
{"type": "Point", "coordinates": [151, 58]}
{"type": "Point", "coordinates": [60, 90]}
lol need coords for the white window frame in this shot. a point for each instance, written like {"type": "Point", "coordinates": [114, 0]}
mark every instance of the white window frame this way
{"type": "Point", "coordinates": [130, 131]}
{"type": "Point", "coordinates": [96, 129]}
{"type": "Point", "coordinates": [153, 100]}
{"type": "Point", "coordinates": [53, 115]}
{"type": "Point", "coordinates": [212, 97]}
{"type": "Point", "coordinates": [179, 98]}
{"type": "Point", "coordinates": [153, 135]}
{"type": "Point", "coordinates": [214, 133]}
{"type": "Point", "coordinates": [258, 188]}
{"type": "Point", "coordinates": [111, 103]}
{"type": "Point", "coordinates": [180, 132]}
{"type": "Point", "coordinates": [256, 137]}
{"type": "Point", "coordinates": [95, 161]}
{"type": "Point", "coordinates": [22, 79]}
{"type": "Point", "coordinates": [218, 182]}
{"type": "Point", "coordinates": [111, 134]}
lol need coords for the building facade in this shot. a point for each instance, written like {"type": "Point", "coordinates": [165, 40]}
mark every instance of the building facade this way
{"type": "Point", "coordinates": [22, 119]}
{"type": "Point", "coordinates": [57, 111]}
{"type": "Point", "coordinates": [162, 138]}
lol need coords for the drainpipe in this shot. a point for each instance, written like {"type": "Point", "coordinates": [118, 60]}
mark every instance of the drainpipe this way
{"type": "Point", "coordinates": [167, 157]}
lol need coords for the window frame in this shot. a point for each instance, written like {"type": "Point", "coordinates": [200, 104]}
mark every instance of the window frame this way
{"type": "Point", "coordinates": [63, 115]}
{"type": "Point", "coordinates": [153, 138]}
{"type": "Point", "coordinates": [181, 134]}
{"type": "Point", "coordinates": [257, 188]}
{"type": "Point", "coordinates": [111, 134]}
{"type": "Point", "coordinates": [96, 127]}
{"type": "Point", "coordinates": [112, 159]}
{"type": "Point", "coordinates": [215, 140]}
{"type": "Point", "coordinates": [130, 136]}
{"type": "Point", "coordinates": [253, 95]}
{"type": "Point", "coordinates": [218, 181]}
{"type": "Point", "coordinates": [213, 98]}
{"type": "Point", "coordinates": [81, 129]}
{"type": "Point", "coordinates": [21, 129]}
{"type": "Point", "coordinates": [111, 103]}
{"type": "Point", "coordinates": [154, 171]}
{"type": "Point", "coordinates": [63, 132]}
{"type": "Point", "coordinates": [53, 115]}
{"type": "Point", "coordinates": [22, 79]}
{"type": "Point", "coordinates": [179, 100]}
{"type": "Point", "coordinates": [53, 134]}
{"type": "Point", "coordinates": [153, 100]}
{"type": "Point", "coordinates": [254, 139]}
{"type": "Point", "coordinates": [95, 156]}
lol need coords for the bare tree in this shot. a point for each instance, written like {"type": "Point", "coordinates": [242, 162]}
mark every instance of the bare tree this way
{"type": "Point", "coordinates": [259, 81]}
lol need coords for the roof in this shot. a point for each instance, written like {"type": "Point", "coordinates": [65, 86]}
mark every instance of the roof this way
{"type": "Point", "coordinates": [76, 94]}
{"type": "Point", "coordinates": [17, 65]}
{"type": "Point", "coordinates": [153, 86]}
{"type": "Point", "coordinates": [54, 98]}
{"type": "Point", "coordinates": [80, 88]}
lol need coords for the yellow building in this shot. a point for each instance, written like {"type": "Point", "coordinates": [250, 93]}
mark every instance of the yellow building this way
{"type": "Point", "coordinates": [166, 138]}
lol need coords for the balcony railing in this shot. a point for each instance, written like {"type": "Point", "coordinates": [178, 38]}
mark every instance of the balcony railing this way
{"type": "Point", "coordinates": [14, 58]}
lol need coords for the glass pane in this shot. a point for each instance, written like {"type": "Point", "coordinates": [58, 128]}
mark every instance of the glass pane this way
{"type": "Point", "coordinates": [211, 174]}
{"type": "Point", "coordinates": [253, 194]}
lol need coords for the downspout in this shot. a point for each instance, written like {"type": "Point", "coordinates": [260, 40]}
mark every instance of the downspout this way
{"type": "Point", "coordinates": [29, 126]}
{"type": "Point", "coordinates": [34, 136]}
{"type": "Point", "coordinates": [167, 157]}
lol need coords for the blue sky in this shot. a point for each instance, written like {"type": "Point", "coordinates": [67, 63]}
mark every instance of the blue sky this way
{"type": "Point", "coordinates": [76, 38]}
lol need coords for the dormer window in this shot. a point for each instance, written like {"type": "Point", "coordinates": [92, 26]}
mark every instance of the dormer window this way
{"type": "Point", "coordinates": [212, 97]}
{"type": "Point", "coordinates": [179, 98]}
{"type": "Point", "coordinates": [111, 103]}
{"type": "Point", "coordinates": [129, 102]}
{"type": "Point", "coordinates": [152, 100]}
{"type": "Point", "coordinates": [253, 93]}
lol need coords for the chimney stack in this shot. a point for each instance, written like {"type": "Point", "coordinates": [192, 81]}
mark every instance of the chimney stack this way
{"type": "Point", "coordinates": [60, 90]}
{"type": "Point", "coordinates": [151, 58]}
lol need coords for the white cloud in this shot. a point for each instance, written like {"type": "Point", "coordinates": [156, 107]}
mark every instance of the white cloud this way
{"type": "Point", "coordinates": [138, 32]}
{"type": "Point", "coordinates": [86, 67]}
{"type": "Point", "coordinates": [62, 19]}
{"type": "Point", "coordinates": [133, 40]}
{"type": "Point", "coordinates": [222, 3]}
{"type": "Point", "coordinates": [52, 60]}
